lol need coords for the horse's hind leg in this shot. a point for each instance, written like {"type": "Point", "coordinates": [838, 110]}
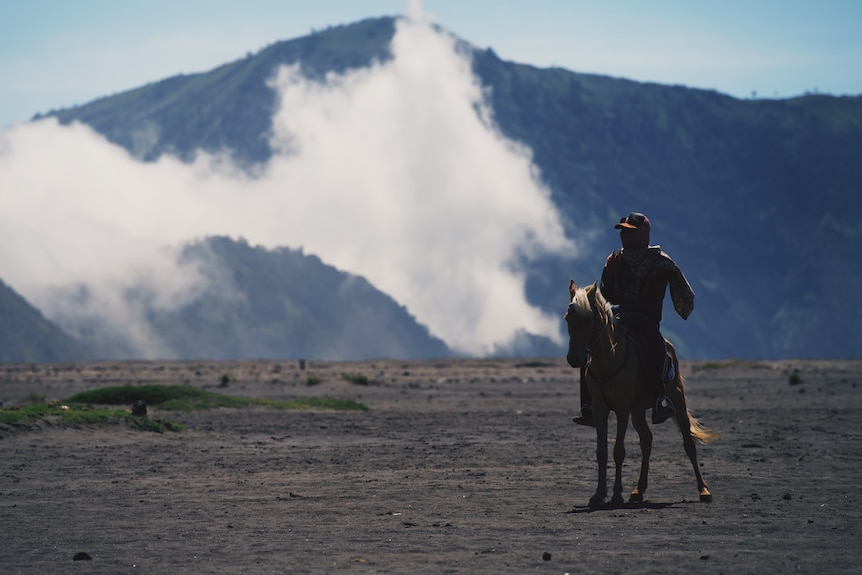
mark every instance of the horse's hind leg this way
{"type": "Point", "coordinates": [684, 421]}
{"type": "Point", "coordinates": [620, 456]}
{"type": "Point", "coordinates": [645, 435]}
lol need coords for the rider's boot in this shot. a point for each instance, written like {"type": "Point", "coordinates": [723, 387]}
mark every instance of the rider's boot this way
{"type": "Point", "coordinates": [586, 416]}
{"type": "Point", "coordinates": [664, 408]}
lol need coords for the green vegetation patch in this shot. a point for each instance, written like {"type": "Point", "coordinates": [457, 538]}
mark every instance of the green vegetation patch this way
{"type": "Point", "coordinates": [88, 408]}
{"type": "Point", "coordinates": [313, 380]}
{"type": "Point", "coordinates": [187, 398]}
{"type": "Point", "coordinates": [81, 416]}
{"type": "Point", "coordinates": [356, 378]}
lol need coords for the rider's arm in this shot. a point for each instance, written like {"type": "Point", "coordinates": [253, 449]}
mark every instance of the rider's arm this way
{"type": "Point", "coordinates": [610, 284]}
{"type": "Point", "coordinates": [681, 293]}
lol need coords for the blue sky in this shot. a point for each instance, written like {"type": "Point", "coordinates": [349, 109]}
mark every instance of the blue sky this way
{"type": "Point", "coordinates": [58, 53]}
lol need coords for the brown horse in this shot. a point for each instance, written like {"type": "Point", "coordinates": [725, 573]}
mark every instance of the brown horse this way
{"type": "Point", "coordinates": [612, 377]}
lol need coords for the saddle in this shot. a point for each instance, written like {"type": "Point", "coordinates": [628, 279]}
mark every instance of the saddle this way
{"type": "Point", "coordinates": [654, 386]}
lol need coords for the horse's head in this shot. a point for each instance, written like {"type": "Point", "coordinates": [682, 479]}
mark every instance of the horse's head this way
{"type": "Point", "coordinates": [583, 321]}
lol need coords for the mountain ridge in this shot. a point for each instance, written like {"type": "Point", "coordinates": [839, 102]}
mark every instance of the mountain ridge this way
{"type": "Point", "coordinates": [26, 336]}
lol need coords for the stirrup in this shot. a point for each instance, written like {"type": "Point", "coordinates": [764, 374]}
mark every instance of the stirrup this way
{"type": "Point", "coordinates": [663, 410]}
{"type": "Point", "coordinates": [585, 418]}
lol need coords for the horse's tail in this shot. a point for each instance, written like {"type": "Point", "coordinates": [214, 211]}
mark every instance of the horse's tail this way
{"type": "Point", "coordinates": [701, 434]}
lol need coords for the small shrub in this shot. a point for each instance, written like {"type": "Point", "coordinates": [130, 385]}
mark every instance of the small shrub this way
{"type": "Point", "coordinates": [357, 378]}
{"type": "Point", "coordinates": [36, 398]}
{"type": "Point", "coordinates": [794, 378]}
{"type": "Point", "coordinates": [313, 380]}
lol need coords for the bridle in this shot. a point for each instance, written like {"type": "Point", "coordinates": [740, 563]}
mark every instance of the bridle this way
{"type": "Point", "coordinates": [597, 335]}
{"type": "Point", "coordinates": [597, 332]}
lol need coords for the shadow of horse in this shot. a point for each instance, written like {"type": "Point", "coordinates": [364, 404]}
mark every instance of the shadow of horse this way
{"type": "Point", "coordinates": [629, 506]}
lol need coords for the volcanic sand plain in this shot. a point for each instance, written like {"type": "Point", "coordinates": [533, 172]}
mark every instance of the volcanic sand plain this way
{"type": "Point", "coordinates": [459, 466]}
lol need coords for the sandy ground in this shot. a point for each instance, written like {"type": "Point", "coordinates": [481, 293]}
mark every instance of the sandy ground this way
{"type": "Point", "coordinates": [467, 466]}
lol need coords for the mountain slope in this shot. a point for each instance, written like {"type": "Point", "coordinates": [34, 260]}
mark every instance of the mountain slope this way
{"type": "Point", "coordinates": [283, 304]}
{"type": "Point", "coordinates": [230, 107]}
{"type": "Point", "coordinates": [26, 336]}
{"type": "Point", "coordinates": [755, 199]}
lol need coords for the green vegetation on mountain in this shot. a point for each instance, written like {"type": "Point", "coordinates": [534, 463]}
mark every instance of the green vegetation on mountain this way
{"type": "Point", "coordinates": [753, 198]}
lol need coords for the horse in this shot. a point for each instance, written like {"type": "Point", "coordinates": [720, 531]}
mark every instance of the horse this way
{"type": "Point", "coordinates": [612, 376]}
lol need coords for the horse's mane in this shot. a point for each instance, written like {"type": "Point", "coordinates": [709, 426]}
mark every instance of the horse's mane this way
{"type": "Point", "coordinates": [589, 300]}
{"type": "Point", "coordinates": [603, 307]}
{"type": "Point", "coordinates": [582, 303]}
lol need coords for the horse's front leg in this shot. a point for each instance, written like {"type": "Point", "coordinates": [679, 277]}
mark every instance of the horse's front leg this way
{"type": "Point", "coordinates": [620, 456]}
{"type": "Point", "coordinates": [600, 418]}
{"type": "Point", "coordinates": [645, 436]}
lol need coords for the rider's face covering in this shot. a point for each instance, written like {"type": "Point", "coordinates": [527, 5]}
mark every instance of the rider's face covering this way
{"type": "Point", "coordinates": [635, 239]}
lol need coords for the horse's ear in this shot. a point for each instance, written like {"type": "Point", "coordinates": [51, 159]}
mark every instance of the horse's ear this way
{"type": "Point", "coordinates": [591, 292]}
{"type": "Point", "coordinates": [573, 287]}
{"type": "Point", "coordinates": [600, 297]}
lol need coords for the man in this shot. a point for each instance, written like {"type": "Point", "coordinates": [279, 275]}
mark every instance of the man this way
{"type": "Point", "coordinates": [634, 281]}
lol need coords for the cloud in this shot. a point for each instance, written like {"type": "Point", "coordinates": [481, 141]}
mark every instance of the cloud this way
{"type": "Point", "coordinates": [395, 172]}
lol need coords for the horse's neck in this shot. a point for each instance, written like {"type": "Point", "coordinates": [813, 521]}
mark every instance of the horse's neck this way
{"type": "Point", "coordinates": [610, 350]}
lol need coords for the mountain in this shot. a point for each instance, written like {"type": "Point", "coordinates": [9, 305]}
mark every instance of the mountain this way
{"type": "Point", "coordinates": [756, 200]}
{"type": "Point", "coordinates": [283, 304]}
{"type": "Point", "coordinates": [26, 336]}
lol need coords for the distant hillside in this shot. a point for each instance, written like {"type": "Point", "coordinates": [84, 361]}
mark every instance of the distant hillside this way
{"type": "Point", "coordinates": [757, 200]}
{"type": "Point", "coordinates": [283, 304]}
{"type": "Point", "coordinates": [26, 336]}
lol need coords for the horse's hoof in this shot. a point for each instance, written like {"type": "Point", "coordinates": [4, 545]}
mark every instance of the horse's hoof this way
{"type": "Point", "coordinates": [617, 499]}
{"type": "Point", "coordinates": [597, 501]}
{"type": "Point", "coordinates": [636, 498]}
{"type": "Point", "coordinates": [706, 497]}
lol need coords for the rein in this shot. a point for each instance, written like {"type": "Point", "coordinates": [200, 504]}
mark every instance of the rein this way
{"type": "Point", "coordinates": [611, 348]}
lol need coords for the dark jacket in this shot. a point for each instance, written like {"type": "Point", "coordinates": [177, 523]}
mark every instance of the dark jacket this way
{"type": "Point", "coordinates": [636, 280]}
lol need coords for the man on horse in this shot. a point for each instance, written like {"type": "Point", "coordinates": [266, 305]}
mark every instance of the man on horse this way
{"type": "Point", "coordinates": [634, 281]}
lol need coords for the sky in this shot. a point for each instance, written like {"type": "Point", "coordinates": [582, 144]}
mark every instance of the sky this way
{"type": "Point", "coordinates": [58, 53]}
{"type": "Point", "coordinates": [435, 208]}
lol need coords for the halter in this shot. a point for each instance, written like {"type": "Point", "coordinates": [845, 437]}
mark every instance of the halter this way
{"type": "Point", "coordinates": [597, 331]}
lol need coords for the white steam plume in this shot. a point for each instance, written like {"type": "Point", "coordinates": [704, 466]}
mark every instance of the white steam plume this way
{"type": "Point", "coordinates": [395, 172]}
